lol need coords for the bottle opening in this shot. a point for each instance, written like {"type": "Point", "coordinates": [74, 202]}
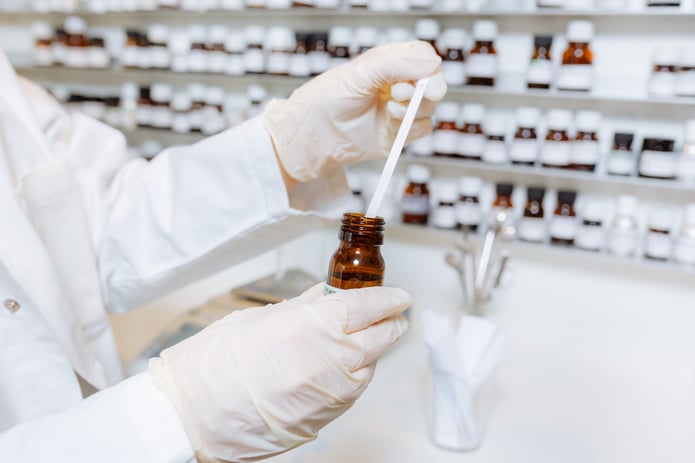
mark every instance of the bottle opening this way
{"type": "Point", "coordinates": [359, 227]}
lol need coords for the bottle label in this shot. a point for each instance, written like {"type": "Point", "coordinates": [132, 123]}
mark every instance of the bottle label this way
{"type": "Point", "coordinates": [143, 115]}
{"type": "Point", "coordinates": [159, 57]}
{"type": "Point", "coordinates": [444, 217]}
{"type": "Point", "coordinates": [658, 164]}
{"type": "Point", "coordinates": [454, 73]}
{"type": "Point", "coordinates": [76, 57]}
{"type": "Point", "coordinates": [196, 118]}
{"type": "Point", "coordinates": [524, 151]}
{"type": "Point", "coordinates": [217, 62]}
{"type": "Point", "coordinates": [685, 250]}
{"type": "Point", "coordinates": [622, 242]}
{"type": "Point", "coordinates": [621, 162]}
{"type": "Point", "coordinates": [685, 83]}
{"type": "Point", "coordinates": [495, 152]}
{"type": "Point", "coordinates": [471, 145]}
{"type": "Point", "coordinates": [181, 123]}
{"type": "Point", "coordinates": [468, 214]}
{"type": "Point", "coordinates": [328, 289]}
{"type": "Point", "coordinates": [532, 229]}
{"type": "Point", "coordinates": [575, 77]}
{"type": "Point", "coordinates": [590, 238]}
{"type": "Point", "coordinates": [254, 60]}
{"type": "Point", "coordinates": [662, 84]}
{"type": "Point", "coordinates": [235, 65]}
{"type": "Point", "coordinates": [658, 245]}
{"type": "Point", "coordinates": [161, 118]}
{"type": "Point", "coordinates": [299, 65]}
{"type": "Point", "coordinates": [197, 61]}
{"type": "Point", "coordinates": [585, 152]}
{"type": "Point", "coordinates": [482, 65]}
{"type": "Point", "coordinates": [59, 50]}
{"type": "Point", "coordinates": [98, 58]}
{"type": "Point", "coordinates": [43, 56]}
{"type": "Point", "coordinates": [564, 228]}
{"type": "Point", "coordinates": [278, 63]}
{"type": "Point", "coordinates": [179, 63]}
{"type": "Point", "coordinates": [446, 141]}
{"type": "Point", "coordinates": [540, 71]}
{"type": "Point", "coordinates": [556, 153]}
{"type": "Point", "coordinates": [415, 204]}
{"type": "Point", "coordinates": [421, 146]}
{"type": "Point", "coordinates": [319, 61]}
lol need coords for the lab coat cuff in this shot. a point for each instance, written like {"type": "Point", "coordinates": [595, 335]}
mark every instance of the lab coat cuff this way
{"type": "Point", "coordinates": [157, 421]}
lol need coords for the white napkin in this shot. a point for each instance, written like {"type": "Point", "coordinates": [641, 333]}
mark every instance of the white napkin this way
{"type": "Point", "coordinates": [462, 364]}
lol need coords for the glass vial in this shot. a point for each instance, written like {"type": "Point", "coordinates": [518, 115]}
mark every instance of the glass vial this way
{"type": "Point", "coordinates": [686, 160]}
{"type": "Point", "coordinates": [623, 234]}
{"type": "Point", "coordinates": [563, 225]}
{"type": "Point", "coordinates": [181, 108]}
{"type": "Point", "coordinates": [471, 138]}
{"type": "Point", "coordinates": [415, 204]}
{"type": "Point", "coordinates": [658, 244]}
{"type": "Point", "coordinates": [469, 214]}
{"type": "Point", "coordinates": [532, 224]}
{"type": "Point", "coordinates": [366, 37]}
{"type": "Point", "coordinates": [658, 160]}
{"type": "Point", "coordinates": [339, 41]}
{"type": "Point", "coordinates": [198, 54]}
{"type": "Point", "coordinates": [524, 146]}
{"type": "Point", "coordinates": [215, 48]}
{"type": "Point", "coordinates": [503, 198]}
{"type": "Point", "coordinates": [281, 45]}
{"type": "Point", "coordinates": [556, 149]}
{"type": "Point", "coordinates": [357, 263]}
{"type": "Point", "coordinates": [319, 58]}
{"type": "Point", "coordinates": [591, 236]}
{"type": "Point", "coordinates": [576, 71]}
{"type": "Point", "coordinates": [540, 70]}
{"type": "Point", "coordinates": [453, 66]}
{"type": "Point", "coordinates": [495, 151]}
{"type": "Point", "coordinates": [586, 148]}
{"type": "Point", "coordinates": [445, 139]}
{"type": "Point", "coordinates": [254, 56]}
{"type": "Point", "coordinates": [662, 83]}
{"type": "Point", "coordinates": [444, 213]}
{"type": "Point", "coordinates": [158, 40]}
{"type": "Point", "coordinates": [684, 251]}
{"type": "Point", "coordinates": [621, 159]}
{"type": "Point", "coordinates": [235, 47]}
{"type": "Point", "coordinates": [685, 79]}
{"type": "Point", "coordinates": [427, 30]}
{"type": "Point", "coordinates": [76, 54]}
{"type": "Point", "coordinates": [482, 59]}
{"type": "Point", "coordinates": [43, 37]}
{"type": "Point", "coordinates": [299, 61]}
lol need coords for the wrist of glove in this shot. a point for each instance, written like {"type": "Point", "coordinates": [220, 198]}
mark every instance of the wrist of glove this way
{"type": "Point", "coordinates": [352, 112]}
{"type": "Point", "coordinates": [265, 380]}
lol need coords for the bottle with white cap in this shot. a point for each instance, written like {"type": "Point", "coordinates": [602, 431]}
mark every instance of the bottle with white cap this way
{"type": "Point", "coordinates": [59, 46]}
{"type": "Point", "coordinates": [472, 138]}
{"type": "Point", "coordinates": [158, 46]}
{"type": "Point", "coordinates": [495, 151]}
{"type": "Point", "coordinates": [415, 203]}
{"type": "Point", "coordinates": [43, 37]}
{"type": "Point", "coordinates": [181, 108]}
{"type": "Point", "coordinates": [445, 139]}
{"type": "Point", "coordinates": [427, 30]}
{"type": "Point", "coordinates": [621, 159]}
{"type": "Point", "coordinates": [130, 94]}
{"type": "Point", "coordinates": [532, 226]}
{"type": "Point", "coordinates": [453, 64]}
{"type": "Point", "coordinates": [444, 213]}
{"type": "Point", "coordinates": [686, 159]}
{"type": "Point", "coordinates": [469, 213]}
{"type": "Point", "coordinates": [281, 44]}
{"type": "Point", "coordinates": [540, 70]}
{"type": "Point", "coordinates": [196, 92]}
{"type": "Point", "coordinates": [299, 64]}
{"type": "Point", "coordinates": [113, 115]}
{"type": "Point", "coordinates": [97, 55]}
{"type": "Point", "coordinates": [236, 106]}
{"type": "Point", "coordinates": [556, 150]}
{"type": "Point", "coordinates": [524, 147]}
{"type": "Point", "coordinates": [254, 57]}
{"type": "Point", "coordinates": [623, 234]}
{"type": "Point", "coordinates": [143, 114]}
{"type": "Point", "coordinates": [319, 58]}
{"type": "Point", "coordinates": [658, 243]}
{"type": "Point", "coordinates": [366, 37]}
{"type": "Point", "coordinates": [180, 46]}
{"type": "Point", "coordinates": [481, 68]}
{"type": "Point", "coordinates": [198, 54]}
{"type": "Point", "coordinates": [662, 83]}
{"type": "Point", "coordinates": [563, 223]}
{"type": "Point", "coordinates": [235, 46]}
{"type": "Point", "coordinates": [161, 113]}
{"type": "Point", "coordinates": [684, 251]}
{"type": "Point", "coordinates": [685, 79]}
{"type": "Point", "coordinates": [339, 39]}
{"type": "Point", "coordinates": [76, 54]}
{"type": "Point", "coordinates": [576, 72]}
{"type": "Point", "coordinates": [258, 96]}
{"type": "Point", "coordinates": [586, 148]}
{"type": "Point", "coordinates": [215, 47]}
{"type": "Point", "coordinates": [591, 236]}
{"type": "Point", "coordinates": [658, 159]}
{"type": "Point", "coordinates": [213, 113]}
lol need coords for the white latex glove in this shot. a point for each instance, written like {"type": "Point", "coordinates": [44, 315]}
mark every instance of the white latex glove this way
{"type": "Point", "coordinates": [262, 381]}
{"type": "Point", "coordinates": [348, 115]}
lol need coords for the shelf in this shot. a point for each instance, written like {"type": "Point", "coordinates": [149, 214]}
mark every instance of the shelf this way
{"type": "Point", "coordinates": [653, 190]}
{"type": "Point", "coordinates": [165, 137]}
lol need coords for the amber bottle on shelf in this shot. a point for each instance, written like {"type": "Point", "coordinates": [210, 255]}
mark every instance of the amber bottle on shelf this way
{"type": "Point", "coordinates": [563, 226]}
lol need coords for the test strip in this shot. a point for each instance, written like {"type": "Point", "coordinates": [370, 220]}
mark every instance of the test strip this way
{"type": "Point", "coordinates": [397, 147]}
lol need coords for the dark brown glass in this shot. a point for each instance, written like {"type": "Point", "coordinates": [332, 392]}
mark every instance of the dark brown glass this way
{"type": "Point", "coordinates": [525, 133]}
{"type": "Point", "coordinates": [540, 53]}
{"type": "Point", "coordinates": [564, 210]}
{"type": "Point", "coordinates": [416, 189]}
{"type": "Point", "coordinates": [503, 201]}
{"type": "Point", "coordinates": [585, 136]}
{"type": "Point", "coordinates": [559, 136]}
{"type": "Point", "coordinates": [358, 262]}
{"type": "Point", "coordinates": [473, 129]}
{"type": "Point", "coordinates": [445, 125]}
{"type": "Point", "coordinates": [534, 209]}
{"type": "Point", "coordinates": [482, 48]}
{"type": "Point", "coordinates": [658, 232]}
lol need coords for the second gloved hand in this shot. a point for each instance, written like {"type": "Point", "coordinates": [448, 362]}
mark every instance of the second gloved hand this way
{"type": "Point", "coordinates": [348, 114]}
{"type": "Point", "coordinates": [262, 381]}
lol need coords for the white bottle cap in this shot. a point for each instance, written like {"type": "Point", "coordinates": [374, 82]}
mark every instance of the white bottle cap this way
{"type": "Point", "coordinates": [588, 121]}
{"type": "Point", "coordinates": [627, 205]}
{"type": "Point", "coordinates": [160, 92]}
{"type": "Point", "coordinates": [690, 131]}
{"type": "Point", "coordinates": [594, 211]}
{"type": "Point", "coordinates": [484, 30]}
{"type": "Point", "coordinates": [666, 55]}
{"type": "Point", "coordinates": [527, 117]}
{"type": "Point", "coordinates": [75, 25]}
{"type": "Point", "coordinates": [181, 101]}
{"type": "Point", "coordinates": [399, 34]}
{"type": "Point", "coordinates": [214, 96]}
{"type": "Point", "coordinates": [340, 36]}
{"type": "Point", "coordinates": [661, 219]}
{"type": "Point", "coordinates": [688, 57]}
{"type": "Point", "coordinates": [130, 91]}
{"type": "Point", "coordinates": [237, 102]}
{"type": "Point", "coordinates": [689, 217]}
{"type": "Point", "coordinates": [280, 38]}
{"type": "Point", "coordinates": [454, 38]}
{"type": "Point", "coordinates": [367, 36]}
{"type": "Point", "coordinates": [472, 113]}
{"type": "Point", "coordinates": [255, 35]}
{"type": "Point", "coordinates": [418, 173]}
{"type": "Point", "coordinates": [447, 111]}
{"type": "Point", "coordinates": [197, 33]}
{"type": "Point", "coordinates": [196, 92]}
{"type": "Point", "coordinates": [257, 93]}
{"type": "Point", "coordinates": [180, 42]}
{"type": "Point", "coordinates": [157, 33]}
{"type": "Point", "coordinates": [217, 34]}
{"type": "Point", "coordinates": [235, 42]}
{"type": "Point", "coordinates": [447, 192]}
{"type": "Point", "coordinates": [559, 119]}
{"type": "Point", "coordinates": [580, 31]}
{"type": "Point", "coordinates": [470, 186]}
{"type": "Point", "coordinates": [495, 125]}
{"type": "Point", "coordinates": [42, 30]}
{"type": "Point", "coordinates": [427, 29]}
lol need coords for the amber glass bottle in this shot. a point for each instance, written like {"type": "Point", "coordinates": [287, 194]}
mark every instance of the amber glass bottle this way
{"type": "Point", "coordinates": [357, 263]}
{"type": "Point", "coordinates": [577, 60]}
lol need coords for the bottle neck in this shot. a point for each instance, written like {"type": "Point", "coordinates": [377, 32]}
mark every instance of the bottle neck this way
{"type": "Point", "coordinates": [361, 230]}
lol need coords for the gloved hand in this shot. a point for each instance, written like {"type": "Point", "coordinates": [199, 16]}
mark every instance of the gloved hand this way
{"type": "Point", "coordinates": [347, 114]}
{"type": "Point", "coordinates": [262, 381]}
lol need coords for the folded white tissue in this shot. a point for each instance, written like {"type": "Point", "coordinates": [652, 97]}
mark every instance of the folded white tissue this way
{"type": "Point", "coordinates": [462, 364]}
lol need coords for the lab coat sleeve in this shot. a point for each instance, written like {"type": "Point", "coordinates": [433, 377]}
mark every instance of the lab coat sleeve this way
{"type": "Point", "coordinates": [190, 212]}
{"type": "Point", "coordinates": [132, 422]}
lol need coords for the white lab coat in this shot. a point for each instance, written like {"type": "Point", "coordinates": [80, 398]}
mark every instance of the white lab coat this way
{"type": "Point", "coordinates": [82, 228]}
